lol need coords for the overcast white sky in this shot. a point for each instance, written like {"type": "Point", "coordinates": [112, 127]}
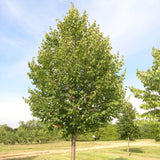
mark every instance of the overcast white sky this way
{"type": "Point", "coordinates": [133, 27]}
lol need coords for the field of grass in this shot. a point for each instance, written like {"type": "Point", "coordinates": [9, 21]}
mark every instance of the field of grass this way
{"type": "Point", "coordinates": [111, 150]}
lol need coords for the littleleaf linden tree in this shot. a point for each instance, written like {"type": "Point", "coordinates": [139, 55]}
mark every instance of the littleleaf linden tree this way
{"type": "Point", "coordinates": [78, 85]}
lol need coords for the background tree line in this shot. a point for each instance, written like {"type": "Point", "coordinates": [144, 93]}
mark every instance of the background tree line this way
{"type": "Point", "coordinates": [30, 132]}
{"type": "Point", "coordinates": [34, 132]}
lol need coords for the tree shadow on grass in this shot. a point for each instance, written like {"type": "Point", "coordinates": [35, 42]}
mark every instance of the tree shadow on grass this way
{"type": "Point", "coordinates": [120, 158]}
{"type": "Point", "coordinates": [26, 158]}
{"type": "Point", "coordinates": [134, 150]}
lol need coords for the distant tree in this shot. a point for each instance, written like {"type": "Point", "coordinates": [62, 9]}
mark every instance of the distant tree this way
{"type": "Point", "coordinates": [7, 135]}
{"type": "Point", "coordinates": [109, 133]}
{"type": "Point", "coordinates": [151, 93]}
{"type": "Point", "coordinates": [77, 81]}
{"type": "Point", "coordinates": [22, 133]}
{"type": "Point", "coordinates": [33, 131]}
{"type": "Point", "coordinates": [126, 126]}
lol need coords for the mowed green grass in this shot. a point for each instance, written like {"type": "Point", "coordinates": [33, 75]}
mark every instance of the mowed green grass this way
{"type": "Point", "coordinates": [140, 149]}
{"type": "Point", "coordinates": [57, 145]}
{"type": "Point", "coordinates": [81, 156]}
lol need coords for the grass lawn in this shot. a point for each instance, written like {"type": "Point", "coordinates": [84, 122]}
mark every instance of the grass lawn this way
{"type": "Point", "coordinates": [85, 155]}
{"type": "Point", "coordinates": [140, 149]}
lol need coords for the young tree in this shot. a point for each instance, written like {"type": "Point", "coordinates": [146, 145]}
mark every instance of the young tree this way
{"type": "Point", "coordinates": [151, 94]}
{"type": "Point", "coordinates": [77, 81]}
{"type": "Point", "coordinates": [151, 83]}
{"type": "Point", "coordinates": [126, 126]}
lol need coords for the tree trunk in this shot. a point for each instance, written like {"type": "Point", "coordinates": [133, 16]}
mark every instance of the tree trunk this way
{"type": "Point", "coordinates": [128, 147]}
{"type": "Point", "coordinates": [73, 148]}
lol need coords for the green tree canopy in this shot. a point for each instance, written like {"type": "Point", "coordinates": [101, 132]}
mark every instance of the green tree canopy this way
{"type": "Point", "coordinates": [126, 122]}
{"type": "Point", "coordinates": [77, 81]}
{"type": "Point", "coordinates": [151, 93]}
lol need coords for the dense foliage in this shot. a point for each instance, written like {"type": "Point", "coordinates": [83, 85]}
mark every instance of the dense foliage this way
{"type": "Point", "coordinates": [29, 132]}
{"type": "Point", "coordinates": [148, 129]}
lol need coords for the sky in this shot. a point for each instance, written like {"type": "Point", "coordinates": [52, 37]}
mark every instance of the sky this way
{"type": "Point", "coordinates": [132, 25]}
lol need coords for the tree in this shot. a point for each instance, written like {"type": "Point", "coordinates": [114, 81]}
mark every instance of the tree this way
{"type": "Point", "coordinates": [126, 126]}
{"type": "Point", "coordinates": [151, 93]}
{"type": "Point", "coordinates": [151, 82]}
{"type": "Point", "coordinates": [77, 81]}
{"type": "Point", "coordinates": [33, 132]}
{"type": "Point", "coordinates": [7, 135]}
